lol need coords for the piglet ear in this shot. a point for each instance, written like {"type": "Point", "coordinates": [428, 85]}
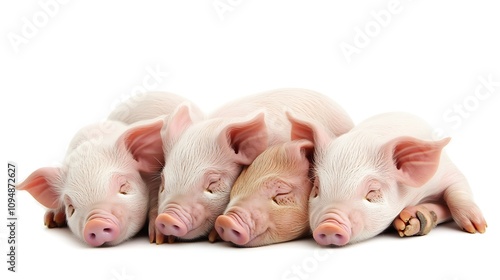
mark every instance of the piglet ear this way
{"type": "Point", "coordinates": [143, 141]}
{"type": "Point", "coordinates": [246, 139]}
{"type": "Point", "coordinates": [305, 129]}
{"type": "Point", "coordinates": [416, 161]}
{"type": "Point", "coordinates": [183, 117]}
{"type": "Point", "coordinates": [41, 185]}
{"type": "Point", "coordinates": [301, 149]}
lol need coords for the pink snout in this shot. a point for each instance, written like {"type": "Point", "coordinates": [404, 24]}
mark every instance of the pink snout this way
{"type": "Point", "coordinates": [231, 230]}
{"type": "Point", "coordinates": [331, 232]}
{"type": "Point", "coordinates": [98, 231]}
{"type": "Point", "coordinates": [169, 225]}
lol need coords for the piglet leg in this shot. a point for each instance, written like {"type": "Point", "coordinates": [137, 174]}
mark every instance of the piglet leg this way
{"type": "Point", "coordinates": [55, 218]}
{"type": "Point", "coordinates": [463, 209]}
{"type": "Point", "coordinates": [420, 219]}
{"type": "Point", "coordinates": [155, 236]}
{"type": "Point", "coordinates": [213, 236]}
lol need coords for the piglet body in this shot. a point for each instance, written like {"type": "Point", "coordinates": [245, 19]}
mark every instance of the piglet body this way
{"type": "Point", "coordinates": [208, 156]}
{"type": "Point", "coordinates": [100, 190]}
{"type": "Point", "coordinates": [385, 170]}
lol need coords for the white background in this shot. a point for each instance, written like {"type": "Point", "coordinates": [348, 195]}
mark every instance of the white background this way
{"type": "Point", "coordinates": [79, 59]}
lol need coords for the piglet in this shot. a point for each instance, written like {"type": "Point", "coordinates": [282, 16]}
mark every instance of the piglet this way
{"type": "Point", "coordinates": [386, 170]}
{"type": "Point", "coordinates": [269, 200]}
{"type": "Point", "coordinates": [203, 159]}
{"type": "Point", "coordinates": [99, 191]}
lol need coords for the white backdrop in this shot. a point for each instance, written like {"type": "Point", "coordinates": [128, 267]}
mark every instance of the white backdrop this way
{"type": "Point", "coordinates": [65, 64]}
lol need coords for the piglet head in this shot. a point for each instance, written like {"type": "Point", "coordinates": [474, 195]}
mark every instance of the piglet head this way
{"type": "Point", "coordinates": [201, 168]}
{"type": "Point", "coordinates": [361, 186]}
{"type": "Point", "coordinates": [269, 200]}
{"type": "Point", "coordinates": [100, 185]}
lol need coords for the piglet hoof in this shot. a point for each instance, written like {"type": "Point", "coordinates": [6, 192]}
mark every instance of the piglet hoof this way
{"type": "Point", "coordinates": [415, 221]}
{"type": "Point", "coordinates": [161, 239]}
{"type": "Point", "coordinates": [55, 218]}
{"type": "Point", "coordinates": [213, 236]}
{"type": "Point", "coordinates": [155, 236]}
{"type": "Point", "coordinates": [469, 218]}
{"type": "Point", "coordinates": [171, 239]}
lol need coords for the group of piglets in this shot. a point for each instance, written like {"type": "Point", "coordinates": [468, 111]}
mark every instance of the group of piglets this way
{"type": "Point", "coordinates": [266, 168]}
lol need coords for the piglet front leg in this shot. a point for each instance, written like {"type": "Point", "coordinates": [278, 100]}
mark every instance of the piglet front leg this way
{"type": "Point", "coordinates": [155, 236]}
{"type": "Point", "coordinates": [55, 218]}
{"type": "Point", "coordinates": [463, 209]}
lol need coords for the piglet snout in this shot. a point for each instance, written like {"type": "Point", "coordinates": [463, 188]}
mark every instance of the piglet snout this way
{"type": "Point", "coordinates": [232, 230]}
{"type": "Point", "coordinates": [171, 225]}
{"type": "Point", "coordinates": [332, 232]}
{"type": "Point", "coordinates": [98, 231]}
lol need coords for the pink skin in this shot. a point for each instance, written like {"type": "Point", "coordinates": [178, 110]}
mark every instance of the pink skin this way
{"type": "Point", "coordinates": [268, 202]}
{"type": "Point", "coordinates": [203, 159]}
{"type": "Point", "coordinates": [102, 173]}
{"type": "Point", "coordinates": [383, 172]}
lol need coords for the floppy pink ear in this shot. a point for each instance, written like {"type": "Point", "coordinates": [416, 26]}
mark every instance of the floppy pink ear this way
{"type": "Point", "coordinates": [302, 129]}
{"type": "Point", "coordinates": [143, 141]}
{"type": "Point", "coordinates": [247, 139]}
{"type": "Point", "coordinates": [416, 160]}
{"type": "Point", "coordinates": [40, 184]}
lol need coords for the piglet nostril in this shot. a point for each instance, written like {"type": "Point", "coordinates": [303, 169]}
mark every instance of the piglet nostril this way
{"type": "Point", "coordinates": [231, 230]}
{"type": "Point", "coordinates": [99, 231]}
{"type": "Point", "coordinates": [331, 233]}
{"type": "Point", "coordinates": [170, 225]}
